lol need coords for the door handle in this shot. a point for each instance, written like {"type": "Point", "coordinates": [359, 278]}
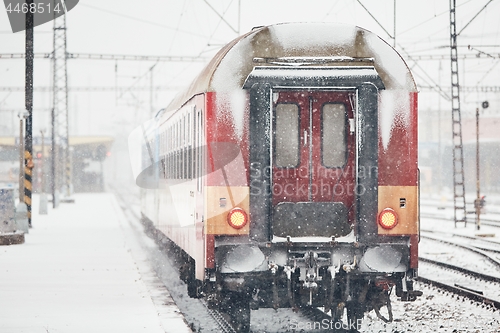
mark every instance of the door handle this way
{"type": "Point", "coordinates": [305, 137]}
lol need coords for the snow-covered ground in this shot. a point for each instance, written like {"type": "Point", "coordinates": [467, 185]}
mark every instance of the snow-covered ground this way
{"type": "Point", "coordinates": [88, 267]}
{"type": "Point", "coordinates": [82, 269]}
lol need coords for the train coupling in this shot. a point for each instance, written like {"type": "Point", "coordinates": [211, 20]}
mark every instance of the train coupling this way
{"type": "Point", "coordinates": [404, 288]}
{"type": "Point", "coordinates": [411, 295]}
{"type": "Point", "coordinates": [350, 267]}
{"type": "Point", "coordinates": [309, 263]}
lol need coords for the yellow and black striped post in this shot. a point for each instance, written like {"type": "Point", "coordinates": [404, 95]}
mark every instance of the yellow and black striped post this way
{"type": "Point", "coordinates": [28, 138]}
{"type": "Point", "coordinates": [28, 173]}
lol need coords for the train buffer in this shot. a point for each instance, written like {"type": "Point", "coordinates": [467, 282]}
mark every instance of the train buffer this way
{"type": "Point", "coordinates": [82, 269]}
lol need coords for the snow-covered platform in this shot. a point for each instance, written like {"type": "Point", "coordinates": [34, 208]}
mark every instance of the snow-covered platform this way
{"type": "Point", "coordinates": [83, 268]}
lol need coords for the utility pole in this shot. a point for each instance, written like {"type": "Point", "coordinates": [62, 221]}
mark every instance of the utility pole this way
{"type": "Point", "coordinates": [28, 138]}
{"type": "Point", "coordinates": [477, 202]}
{"type": "Point", "coordinates": [457, 148]}
{"type": "Point", "coordinates": [458, 157]}
{"type": "Point", "coordinates": [21, 157]}
{"type": "Point", "coordinates": [42, 210]}
{"type": "Point", "coordinates": [61, 166]}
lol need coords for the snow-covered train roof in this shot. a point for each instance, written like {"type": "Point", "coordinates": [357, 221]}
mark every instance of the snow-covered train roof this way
{"type": "Point", "coordinates": [299, 44]}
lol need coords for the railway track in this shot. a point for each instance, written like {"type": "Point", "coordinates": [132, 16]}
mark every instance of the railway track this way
{"type": "Point", "coordinates": [484, 221]}
{"type": "Point", "coordinates": [456, 280]}
{"type": "Point", "coordinates": [459, 280]}
{"type": "Point", "coordinates": [491, 219]}
{"type": "Point", "coordinates": [489, 253]}
{"type": "Point", "coordinates": [481, 243]}
{"type": "Point", "coordinates": [125, 199]}
{"type": "Point", "coordinates": [479, 287]}
{"type": "Point", "coordinates": [218, 320]}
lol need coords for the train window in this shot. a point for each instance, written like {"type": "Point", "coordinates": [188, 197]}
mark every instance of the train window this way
{"type": "Point", "coordinates": [168, 151]}
{"type": "Point", "coordinates": [190, 147]}
{"type": "Point", "coordinates": [179, 152]}
{"type": "Point", "coordinates": [201, 149]}
{"type": "Point", "coordinates": [333, 135]}
{"type": "Point", "coordinates": [287, 135]}
{"type": "Point", "coordinates": [165, 142]}
{"type": "Point", "coordinates": [176, 159]}
{"type": "Point", "coordinates": [160, 143]}
{"type": "Point", "coordinates": [181, 148]}
{"type": "Point", "coordinates": [185, 157]}
{"type": "Point", "coordinates": [170, 141]}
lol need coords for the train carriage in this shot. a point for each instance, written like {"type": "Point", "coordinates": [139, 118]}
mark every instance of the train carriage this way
{"type": "Point", "coordinates": [287, 173]}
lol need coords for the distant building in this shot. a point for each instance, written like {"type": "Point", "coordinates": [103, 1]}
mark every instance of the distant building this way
{"type": "Point", "coordinates": [86, 156]}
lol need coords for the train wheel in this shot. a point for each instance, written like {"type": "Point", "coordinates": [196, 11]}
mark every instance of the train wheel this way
{"type": "Point", "coordinates": [355, 314]}
{"type": "Point", "coordinates": [338, 312]}
{"type": "Point", "coordinates": [194, 288]}
{"type": "Point", "coordinates": [238, 309]}
{"type": "Point", "coordinates": [188, 275]}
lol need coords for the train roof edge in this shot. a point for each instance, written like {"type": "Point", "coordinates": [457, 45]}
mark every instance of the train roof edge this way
{"type": "Point", "coordinates": [335, 43]}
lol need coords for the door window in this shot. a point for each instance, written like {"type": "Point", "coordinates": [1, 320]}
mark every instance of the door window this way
{"type": "Point", "coordinates": [287, 135]}
{"type": "Point", "coordinates": [333, 135]}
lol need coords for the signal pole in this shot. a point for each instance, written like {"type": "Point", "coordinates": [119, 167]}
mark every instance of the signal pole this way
{"type": "Point", "coordinates": [458, 156]}
{"type": "Point", "coordinates": [457, 148]}
{"type": "Point", "coordinates": [478, 184]}
{"type": "Point", "coordinates": [28, 138]}
{"type": "Point", "coordinates": [61, 167]}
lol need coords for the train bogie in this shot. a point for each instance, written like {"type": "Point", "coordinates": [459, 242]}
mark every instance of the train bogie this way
{"type": "Point", "coordinates": [287, 173]}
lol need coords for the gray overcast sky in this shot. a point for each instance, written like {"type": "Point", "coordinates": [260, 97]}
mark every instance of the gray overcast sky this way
{"type": "Point", "coordinates": [194, 27]}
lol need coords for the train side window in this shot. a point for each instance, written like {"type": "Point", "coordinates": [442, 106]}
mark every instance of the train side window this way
{"type": "Point", "coordinates": [162, 144]}
{"type": "Point", "coordinates": [168, 152]}
{"type": "Point", "coordinates": [190, 146]}
{"type": "Point", "coordinates": [184, 149]}
{"type": "Point", "coordinates": [179, 150]}
{"type": "Point", "coordinates": [287, 135]}
{"type": "Point", "coordinates": [186, 161]}
{"type": "Point", "coordinates": [172, 149]}
{"type": "Point", "coordinates": [334, 135]}
{"type": "Point", "coordinates": [176, 155]}
{"type": "Point", "coordinates": [195, 145]}
{"type": "Point", "coordinates": [201, 150]}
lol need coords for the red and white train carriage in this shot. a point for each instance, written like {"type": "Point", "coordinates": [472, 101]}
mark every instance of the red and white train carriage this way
{"type": "Point", "coordinates": [287, 173]}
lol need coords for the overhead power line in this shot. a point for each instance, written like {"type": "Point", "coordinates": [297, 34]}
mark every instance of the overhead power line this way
{"type": "Point", "coordinates": [92, 89]}
{"type": "Point", "coordinates": [95, 56]}
{"type": "Point", "coordinates": [494, 89]}
{"type": "Point", "coordinates": [479, 55]}
{"type": "Point", "coordinates": [131, 57]}
{"type": "Point", "coordinates": [464, 88]}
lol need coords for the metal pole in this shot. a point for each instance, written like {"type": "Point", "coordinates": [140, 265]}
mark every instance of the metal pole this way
{"type": "Point", "coordinates": [42, 209]}
{"type": "Point", "coordinates": [21, 159]}
{"type": "Point", "coordinates": [53, 160]}
{"type": "Point", "coordinates": [42, 164]}
{"type": "Point", "coordinates": [457, 144]}
{"type": "Point", "coordinates": [67, 156]}
{"type": "Point", "coordinates": [28, 138]}
{"type": "Point", "coordinates": [478, 189]}
{"type": "Point", "coordinates": [394, 23]}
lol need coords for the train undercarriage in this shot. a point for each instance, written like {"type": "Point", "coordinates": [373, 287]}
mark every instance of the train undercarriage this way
{"type": "Point", "coordinates": [321, 276]}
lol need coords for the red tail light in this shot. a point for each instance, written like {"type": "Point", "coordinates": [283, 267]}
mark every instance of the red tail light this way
{"type": "Point", "coordinates": [388, 218]}
{"type": "Point", "coordinates": [237, 218]}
